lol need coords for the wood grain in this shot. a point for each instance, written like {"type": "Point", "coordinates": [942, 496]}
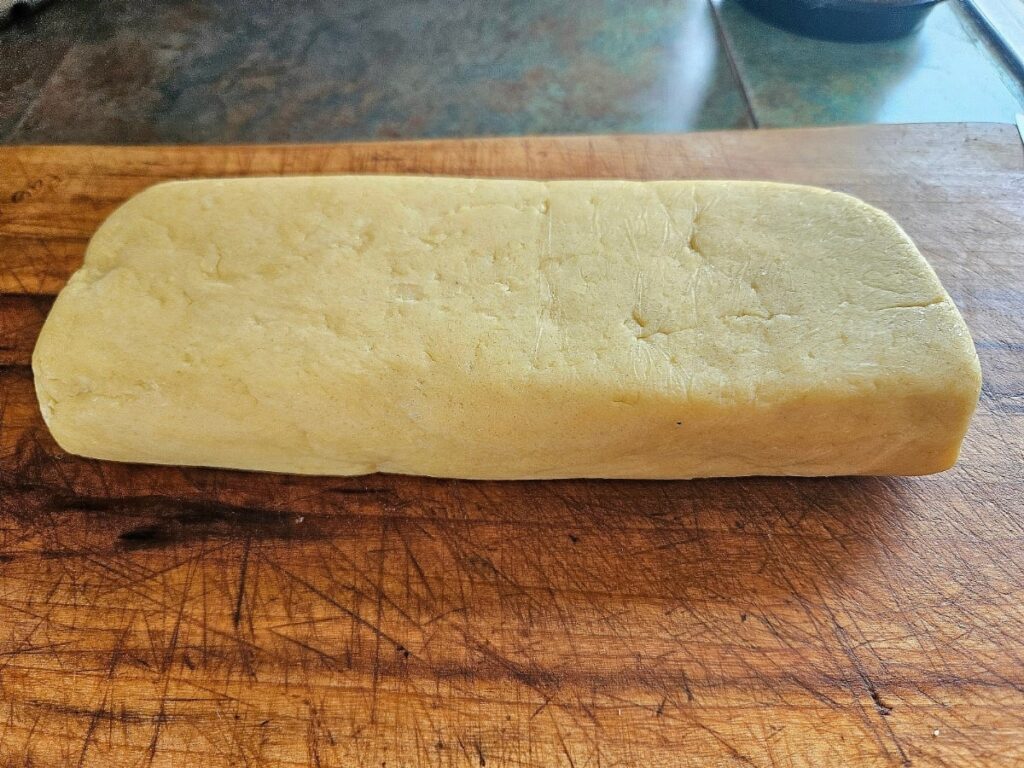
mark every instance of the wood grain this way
{"type": "Point", "coordinates": [163, 616]}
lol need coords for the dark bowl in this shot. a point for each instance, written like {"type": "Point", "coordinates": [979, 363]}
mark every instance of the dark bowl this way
{"type": "Point", "coordinates": [847, 20]}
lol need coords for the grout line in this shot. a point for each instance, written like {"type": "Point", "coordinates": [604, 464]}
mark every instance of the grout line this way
{"type": "Point", "coordinates": [77, 27]}
{"type": "Point", "coordinates": [730, 55]}
{"type": "Point", "coordinates": [1007, 44]}
{"type": "Point", "coordinates": [12, 134]}
{"type": "Point", "coordinates": [80, 30]}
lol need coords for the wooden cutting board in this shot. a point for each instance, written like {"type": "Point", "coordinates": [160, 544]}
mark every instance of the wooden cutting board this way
{"type": "Point", "coordinates": [163, 616]}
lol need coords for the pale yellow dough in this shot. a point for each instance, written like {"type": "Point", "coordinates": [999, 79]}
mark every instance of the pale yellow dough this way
{"type": "Point", "coordinates": [507, 329]}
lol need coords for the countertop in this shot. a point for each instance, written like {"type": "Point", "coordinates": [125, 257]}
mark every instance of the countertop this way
{"type": "Point", "coordinates": [241, 71]}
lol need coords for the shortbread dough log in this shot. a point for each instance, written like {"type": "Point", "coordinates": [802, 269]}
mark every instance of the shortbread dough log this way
{"type": "Point", "coordinates": [507, 329]}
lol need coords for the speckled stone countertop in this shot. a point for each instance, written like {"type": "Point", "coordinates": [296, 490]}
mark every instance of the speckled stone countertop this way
{"type": "Point", "coordinates": [253, 70]}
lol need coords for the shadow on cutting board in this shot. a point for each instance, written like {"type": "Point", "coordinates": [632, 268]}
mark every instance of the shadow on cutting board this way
{"type": "Point", "coordinates": [720, 537]}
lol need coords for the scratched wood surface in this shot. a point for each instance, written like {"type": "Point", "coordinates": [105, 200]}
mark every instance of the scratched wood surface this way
{"type": "Point", "coordinates": [162, 616]}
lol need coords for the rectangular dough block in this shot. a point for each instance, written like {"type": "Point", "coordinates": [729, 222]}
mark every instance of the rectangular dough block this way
{"type": "Point", "coordinates": [507, 329]}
